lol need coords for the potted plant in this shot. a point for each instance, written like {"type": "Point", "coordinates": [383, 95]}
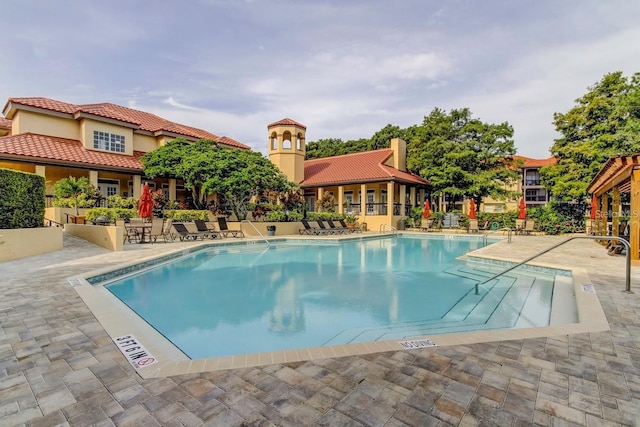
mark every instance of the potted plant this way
{"type": "Point", "coordinates": [351, 220]}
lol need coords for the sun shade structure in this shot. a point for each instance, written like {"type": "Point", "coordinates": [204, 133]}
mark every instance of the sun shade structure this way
{"type": "Point", "coordinates": [620, 174]}
{"type": "Point", "coordinates": [145, 204]}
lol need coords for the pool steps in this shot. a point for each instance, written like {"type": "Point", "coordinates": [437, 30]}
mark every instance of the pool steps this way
{"type": "Point", "coordinates": [509, 294]}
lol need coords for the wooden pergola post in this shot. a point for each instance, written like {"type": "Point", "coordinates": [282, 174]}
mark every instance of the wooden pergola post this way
{"type": "Point", "coordinates": [634, 215]}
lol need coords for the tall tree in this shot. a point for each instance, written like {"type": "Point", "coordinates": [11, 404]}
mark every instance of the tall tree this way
{"type": "Point", "coordinates": [206, 168]}
{"type": "Point", "coordinates": [462, 156]}
{"type": "Point", "coordinates": [604, 122]}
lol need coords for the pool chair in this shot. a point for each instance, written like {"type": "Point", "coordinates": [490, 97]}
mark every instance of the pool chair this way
{"type": "Point", "coordinates": [156, 230]}
{"type": "Point", "coordinates": [225, 230]}
{"type": "Point", "coordinates": [206, 231]}
{"type": "Point", "coordinates": [167, 235]}
{"type": "Point", "coordinates": [336, 229]}
{"type": "Point", "coordinates": [528, 227]}
{"type": "Point", "coordinates": [308, 229]}
{"type": "Point", "coordinates": [184, 234]}
{"type": "Point", "coordinates": [354, 229]}
{"type": "Point", "coordinates": [324, 230]}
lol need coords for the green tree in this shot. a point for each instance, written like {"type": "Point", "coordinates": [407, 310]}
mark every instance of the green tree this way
{"type": "Point", "coordinates": [74, 188]}
{"type": "Point", "coordinates": [206, 168]}
{"type": "Point", "coordinates": [604, 122]}
{"type": "Point", "coordinates": [462, 156]}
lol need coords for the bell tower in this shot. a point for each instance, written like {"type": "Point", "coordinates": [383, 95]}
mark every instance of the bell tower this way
{"type": "Point", "coordinates": [287, 148]}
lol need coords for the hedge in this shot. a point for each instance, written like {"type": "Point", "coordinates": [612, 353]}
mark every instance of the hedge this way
{"type": "Point", "coordinates": [22, 198]}
{"type": "Point", "coordinates": [111, 213]}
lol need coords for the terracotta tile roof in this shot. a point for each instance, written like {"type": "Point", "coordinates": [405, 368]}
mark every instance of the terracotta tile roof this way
{"type": "Point", "coordinates": [54, 150]}
{"type": "Point", "coordinates": [355, 168]}
{"type": "Point", "coordinates": [143, 121]}
{"type": "Point", "coordinates": [536, 163]}
{"type": "Point", "coordinates": [287, 122]}
{"type": "Point", "coordinates": [5, 123]}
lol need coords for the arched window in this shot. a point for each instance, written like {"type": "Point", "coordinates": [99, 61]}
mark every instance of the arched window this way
{"type": "Point", "coordinates": [286, 143]}
{"type": "Point", "coordinates": [299, 142]}
{"type": "Point", "coordinates": [274, 141]}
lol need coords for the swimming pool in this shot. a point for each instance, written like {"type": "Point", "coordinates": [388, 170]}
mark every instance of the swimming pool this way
{"type": "Point", "coordinates": [240, 299]}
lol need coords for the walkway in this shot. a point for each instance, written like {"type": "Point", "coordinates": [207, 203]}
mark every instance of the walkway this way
{"type": "Point", "coordinates": [59, 367]}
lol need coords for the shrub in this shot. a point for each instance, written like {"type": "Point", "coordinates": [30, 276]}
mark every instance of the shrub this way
{"type": "Point", "coordinates": [187, 215]}
{"type": "Point", "coordinates": [22, 201]}
{"type": "Point", "coordinates": [314, 216]}
{"type": "Point", "coordinates": [122, 202]}
{"type": "Point", "coordinates": [111, 213]}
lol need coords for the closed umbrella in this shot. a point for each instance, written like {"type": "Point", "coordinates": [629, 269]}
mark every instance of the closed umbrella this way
{"type": "Point", "coordinates": [594, 207]}
{"type": "Point", "coordinates": [145, 204]}
{"type": "Point", "coordinates": [522, 214]}
{"type": "Point", "coordinates": [426, 213]}
{"type": "Point", "coordinates": [472, 209]}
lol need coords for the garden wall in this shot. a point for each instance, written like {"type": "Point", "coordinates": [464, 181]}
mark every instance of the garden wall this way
{"type": "Point", "coordinates": [24, 242]}
{"type": "Point", "coordinates": [110, 237]}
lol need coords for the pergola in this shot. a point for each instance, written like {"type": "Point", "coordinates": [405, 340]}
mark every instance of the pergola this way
{"type": "Point", "coordinates": [619, 175]}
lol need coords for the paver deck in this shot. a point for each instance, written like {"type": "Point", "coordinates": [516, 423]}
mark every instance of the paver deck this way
{"type": "Point", "coordinates": [58, 366]}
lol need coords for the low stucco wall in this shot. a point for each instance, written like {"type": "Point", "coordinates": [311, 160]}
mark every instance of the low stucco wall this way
{"type": "Point", "coordinates": [60, 215]}
{"type": "Point", "coordinates": [110, 237]}
{"type": "Point", "coordinates": [24, 242]}
{"type": "Point", "coordinates": [282, 228]}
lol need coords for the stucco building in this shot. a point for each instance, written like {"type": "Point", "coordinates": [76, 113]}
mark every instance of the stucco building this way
{"type": "Point", "coordinates": [103, 142]}
{"type": "Point", "coordinates": [373, 185]}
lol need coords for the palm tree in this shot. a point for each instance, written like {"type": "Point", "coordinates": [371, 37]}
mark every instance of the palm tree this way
{"type": "Point", "coordinates": [72, 188]}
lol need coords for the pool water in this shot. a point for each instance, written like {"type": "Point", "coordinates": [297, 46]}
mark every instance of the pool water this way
{"type": "Point", "coordinates": [243, 299]}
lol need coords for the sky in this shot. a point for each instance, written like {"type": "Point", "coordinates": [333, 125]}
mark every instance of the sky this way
{"type": "Point", "coordinates": [343, 68]}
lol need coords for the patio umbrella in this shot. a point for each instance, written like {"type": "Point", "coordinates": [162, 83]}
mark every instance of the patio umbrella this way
{"type": "Point", "coordinates": [594, 207]}
{"type": "Point", "coordinates": [472, 209]}
{"type": "Point", "coordinates": [522, 213]}
{"type": "Point", "coordinates": [145, 204]}
{"type": "Point", "coordinates": [427, 209]}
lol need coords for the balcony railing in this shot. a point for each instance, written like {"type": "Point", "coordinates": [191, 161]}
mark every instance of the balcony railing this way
{"type": "Point", "coordinates": [375, 209]}
{"type": "Point", "coordinates": [532, 182]}
{"type": "Point", "coordinates": [542, 198]}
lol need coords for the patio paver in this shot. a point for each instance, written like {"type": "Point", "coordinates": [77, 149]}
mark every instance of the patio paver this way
{"type": "Point", "coordinates": [59, 367]}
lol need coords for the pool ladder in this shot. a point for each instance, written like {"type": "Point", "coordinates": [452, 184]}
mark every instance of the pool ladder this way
{"type": "Point", "coordinates": [391, 228]}
{"type": "Point", "coordinates": [257, 231]}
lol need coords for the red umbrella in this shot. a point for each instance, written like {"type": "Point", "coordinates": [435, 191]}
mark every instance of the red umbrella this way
{"type": "Point", "coordinates": [145, 204]}
{"type": "Point", "coordinates": [522, 214]}
{"type": "Point", "coordinates": [472, 209]}
{"type": "Point", "coordinates": [427, 209]}
{"type": "Point", "coordinates": [594, 207]}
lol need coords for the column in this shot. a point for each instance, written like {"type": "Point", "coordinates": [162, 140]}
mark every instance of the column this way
{"type": "Point", "coordinates": [363, 203]}
{"type": "Point", "coordinates": [634, 215]}
{"type": "Point", "coordinates": [615, 220]}
{"type": "Point", "coordinates": [93, 178]}
{"type": "Point", "coordinates": [340, 199]}
{"type": "Point", "coordinates": [40, 170]}
{"type": "Point", "coordinates": [403, 199]}
{"type": "Point", "coordinates": [137, 186]}
{"type": "Point", "coordinates": [390, 199]}
{"type": "Point", "coordinates": [412, 197]}
{"type": "Point", "coordinates": [172, 189]}
{"type": "Point", "coordinates": [320, 191]}
{"type": "Point", "coordinates": [605, 211]}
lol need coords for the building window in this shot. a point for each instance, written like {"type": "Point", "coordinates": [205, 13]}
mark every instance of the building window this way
{"type": "Point", "coordinates": [108, 141]}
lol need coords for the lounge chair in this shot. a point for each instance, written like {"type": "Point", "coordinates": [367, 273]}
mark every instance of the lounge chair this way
{"type": "Point", "coordinates": [225, 230]}
{"type": "Point", "coordinates": [354, 229]}
{"type": "Point", "coordinates": [185, 234]}
{"type": "Point", "coordinates": [338, 230]}
{"type": "Point", "coordinates": [206, 231]}
{"type": "Point", "coordinates": [308, 229]}
{"type": "Point", "coordinates": [326, 230]}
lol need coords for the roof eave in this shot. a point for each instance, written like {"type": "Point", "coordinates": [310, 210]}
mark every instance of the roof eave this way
{"type": "Point", "coordinates": [54, 162]}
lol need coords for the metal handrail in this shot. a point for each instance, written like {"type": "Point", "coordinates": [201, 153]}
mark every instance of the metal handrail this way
{"type": "Point", "coordinates": [619, 239]}
{"type": "Point", "coordinates": [51, 222]}
{"type": "Point", "coordinates": [508, 229]}
{"type": "Point", "coordinates": [257, 231]}
{"type": "Point", "coordinates": [391, 228]}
